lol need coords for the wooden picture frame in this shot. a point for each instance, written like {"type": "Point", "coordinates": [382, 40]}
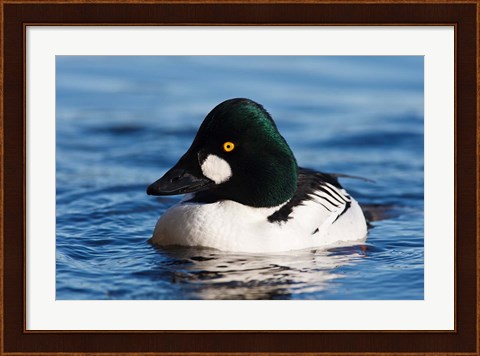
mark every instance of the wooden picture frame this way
{"type": "Point", "coordinates": [16, 15]}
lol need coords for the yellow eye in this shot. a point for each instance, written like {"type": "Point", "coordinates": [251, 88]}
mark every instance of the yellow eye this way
{"type": "Point", "coordinates": [228, 146]}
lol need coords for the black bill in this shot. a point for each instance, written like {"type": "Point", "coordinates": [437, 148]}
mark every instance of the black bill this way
{"type": "Point", "coordinates": [179, 181]}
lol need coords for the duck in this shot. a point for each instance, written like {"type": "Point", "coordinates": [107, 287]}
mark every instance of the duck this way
{"type": "Point", "coordinates": [244, 191]}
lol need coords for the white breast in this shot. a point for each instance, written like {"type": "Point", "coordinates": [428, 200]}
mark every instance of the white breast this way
{"type": "Point", "coordinates": [230, 226]}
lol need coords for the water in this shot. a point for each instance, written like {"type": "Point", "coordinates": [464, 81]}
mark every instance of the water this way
{"type": "Point", "coordinates": [123, 121]}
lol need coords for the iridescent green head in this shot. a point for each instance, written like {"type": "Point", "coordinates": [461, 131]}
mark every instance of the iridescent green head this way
{"type": "Point", "coordinates": [238, 154]}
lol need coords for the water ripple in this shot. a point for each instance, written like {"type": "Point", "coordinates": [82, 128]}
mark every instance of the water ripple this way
{"type": "Point", "coordinates": [124, 121]}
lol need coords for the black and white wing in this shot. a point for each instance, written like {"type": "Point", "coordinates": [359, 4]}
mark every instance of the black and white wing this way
{"type": "Point", "coordinates": [323, 200]}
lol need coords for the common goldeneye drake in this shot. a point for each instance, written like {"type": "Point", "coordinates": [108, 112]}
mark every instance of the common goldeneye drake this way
{"type": "Point", "coordinates": [247, 194]}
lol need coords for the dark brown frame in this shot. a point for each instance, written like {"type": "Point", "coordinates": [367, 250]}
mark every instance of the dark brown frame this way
{"type": "Point", "coordinates": [16, 14]}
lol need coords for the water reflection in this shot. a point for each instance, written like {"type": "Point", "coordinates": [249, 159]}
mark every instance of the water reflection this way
{"type": "Point", "coordinates": [211, 274]}
{"type": "Point", "coordinates": [120, 120]}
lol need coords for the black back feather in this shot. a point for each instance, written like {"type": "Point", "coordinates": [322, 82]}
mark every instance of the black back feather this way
{"type": "Point", "coordinates": [309, 181]}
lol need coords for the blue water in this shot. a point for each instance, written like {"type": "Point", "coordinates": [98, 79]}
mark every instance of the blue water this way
{"type": "Point", "coordinates": [121, 122]}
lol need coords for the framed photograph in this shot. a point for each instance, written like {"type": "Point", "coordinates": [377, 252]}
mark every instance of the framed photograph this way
{"type": "Point", "coordinates": [220, 178]}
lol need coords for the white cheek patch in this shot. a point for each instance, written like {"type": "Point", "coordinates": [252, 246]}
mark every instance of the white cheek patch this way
{"type": "Point", "coordinates": [216, 169]}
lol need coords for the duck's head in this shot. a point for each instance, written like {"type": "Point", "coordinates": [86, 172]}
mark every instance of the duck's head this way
{"type": "Point", "coordinates": [238, 154]}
